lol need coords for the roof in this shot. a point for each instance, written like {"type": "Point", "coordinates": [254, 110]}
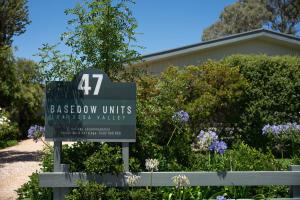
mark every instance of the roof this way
{"type": "Point", "coordinates": [222, 41]}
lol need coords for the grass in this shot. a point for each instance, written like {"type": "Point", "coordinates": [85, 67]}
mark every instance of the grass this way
{"type": "Point", "coordinates": [8, 143]}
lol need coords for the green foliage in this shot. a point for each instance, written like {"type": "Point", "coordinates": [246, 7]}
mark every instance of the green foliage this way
{"type": "Point", "coordinates": [273, 95]}
{"type": "Point", "coordinates": [54, 65]}
{"type": "Point", "coordinates": [240, 158]}
{"type": "Point", "coordinates": [7, 143]}
{"type": "Point", "coordinates": [8, 129]}
{"type": "Point", "coordinates": [102, 161]}
{"type": "Point", "coordinates": [107, 24]}
{"type": "Point", "coordinates": [139, 194]}
{"type": "Point", "coordinates": [8, 78]}
{"type": "Point", "coordinates": [286, 144]}
{"type": "Point", "coordinates": [27, 109]}
{"type": "Point", "coordinates": [295, 160]}
{"type": "Point", "coordinates": [247, 91]}
{"type": "Point", "coordinates": [78, 153]}
{"type": "Point", "coordinates": [241, 16]}
{"type": "Point", "coordinates": [285, 15]}
{"type": "Point", "coordinates": [13, 19]}
{"type": "Point", "coordinates": [32, 190]}
{"type": "Point", "coordinates": [187, 193]}
{"type": "Point", "coordinates": [209, 93]}
{"type": "Point", "coordinates": [93, 157]}
{"type": "Point", "coordinates": [246, 15]}
{"type": "Point", "coordinates": [91, 190]}
{"type": "Point", "coordinates": [10, 132]}
{"type": "Point", "coordinates": [47, 160]}
{"type": "Point", "coordinates": [87, 191]}
{"type": "Point", "coordinates": [20, 93]}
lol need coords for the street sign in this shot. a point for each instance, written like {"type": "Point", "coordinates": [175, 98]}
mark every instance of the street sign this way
{"type": "Point", "coordinates": [90, 108]}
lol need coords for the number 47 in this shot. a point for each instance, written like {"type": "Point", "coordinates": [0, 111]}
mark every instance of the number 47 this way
{"type": "Point", "coordinates": [84, 83]}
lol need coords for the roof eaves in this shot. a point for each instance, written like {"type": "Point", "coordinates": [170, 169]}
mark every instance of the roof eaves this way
{"type": "Point", "coordinates": [215, 42]}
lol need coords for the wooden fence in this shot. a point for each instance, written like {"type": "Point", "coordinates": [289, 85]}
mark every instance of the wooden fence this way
{"type": "Point", "coordinates": [65, 180]}
{"type": "Point", "coordinates": [61, 180]}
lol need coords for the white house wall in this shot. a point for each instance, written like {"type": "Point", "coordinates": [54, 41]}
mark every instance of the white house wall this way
{"type": "Point", "coordinates": [258, 46]}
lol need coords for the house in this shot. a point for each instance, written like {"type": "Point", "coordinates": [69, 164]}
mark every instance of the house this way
{"type": "Point", "coordinates": [259, 41]}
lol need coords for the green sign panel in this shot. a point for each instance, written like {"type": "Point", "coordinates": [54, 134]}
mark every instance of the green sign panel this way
{"type": "Point", "coordinates": [90, 108]}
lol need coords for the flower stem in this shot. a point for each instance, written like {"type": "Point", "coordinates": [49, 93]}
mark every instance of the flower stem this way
{"type": "Point", "coordinates": [183, 195]}
{"type": "Point", "coordinates": [172, 135]}
{"type": "Point", "coordinates": [46, 144]}
{"type": "Point", "coordinates": [151, 185]}
{"type": "Point", "coordinates": [209, 160]}
{"type": "Point", "coordinates": [177, 193]}
{"type": "Point", "coordinates": [230, 160]}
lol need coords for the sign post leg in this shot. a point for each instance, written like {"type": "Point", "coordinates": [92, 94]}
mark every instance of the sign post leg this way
{"type": "Point", "coordinates": [125, 156]}
{"type": "Point", "coordinates": [57, 155]}
{"type": "Point", "coordinates": [58, 193]}
{"type": "Point", "coordinates": [295, 189]}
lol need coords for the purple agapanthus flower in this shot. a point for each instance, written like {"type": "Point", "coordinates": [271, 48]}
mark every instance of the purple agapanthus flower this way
{"type": "Point", "coordinates": [266, 129]}
{"type": "Point", "coordinates": [221, 198]}
{"type": "Point", "coordinates": [218, 146]}
{"type": "Point", "coordinates": [280, 129]}
{"type": "Point", "coordinates": [181, 116]}
{"type": "Point", "coordinates": [35, 132]}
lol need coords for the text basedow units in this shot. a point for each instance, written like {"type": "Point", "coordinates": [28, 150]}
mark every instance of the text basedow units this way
{"type": "Point", "coordinates": [91, 109]}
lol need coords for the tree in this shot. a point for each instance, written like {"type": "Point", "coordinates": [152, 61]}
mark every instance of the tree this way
{"type": "Point", "coordinates": [27, 109]}
{"type": "Point", "coordinates": [13, 19]}
{"type": "Point", "coordinates": [20, 92]}
{"type": "Point", "coordinates": [286, 15]}
{"type": "Point", "coordinates": [8, 77]}
{"type": "Point", "coordinates": [101, 36]}
{"type": "Point", "coordinates": [246, 15]}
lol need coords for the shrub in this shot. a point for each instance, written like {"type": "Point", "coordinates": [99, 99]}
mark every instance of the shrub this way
{"type": "Point", "coordinates": [107, 159]}
{"type": "Point", "coordinates": [209, 93]}
{"type": "Point", "coordinates": [273, 93]}
{"type": "Point", "coordinates": [27, 108]}
{"type": "Point", "coordinates": [87, 191]}
{"type": "Point", "coordinates": [234, 97]}
{"type": "Point", "coordinates": [20, 92]}
{"type": "Point", "coordinates": [241, 157]}
{"type": "Point", "coordinates": [285, 138]}
{"type": "Point", "coordinates": [93, 157]}
{"type": "Point", "coordinates": [8, 129]}
{"type": "Point", "coordinates": [8, 143]}
{"type": "Point", "coordinates": [9, 86]}
{"type": "Point", "coordinates": [33, 191]}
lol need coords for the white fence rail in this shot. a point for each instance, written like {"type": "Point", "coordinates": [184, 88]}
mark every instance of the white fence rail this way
{"type": "Point", "coordinates": [231, 178]}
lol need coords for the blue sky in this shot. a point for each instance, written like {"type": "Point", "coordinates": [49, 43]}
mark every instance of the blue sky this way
{"type": "Point", "coordinates": [163, 24]}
